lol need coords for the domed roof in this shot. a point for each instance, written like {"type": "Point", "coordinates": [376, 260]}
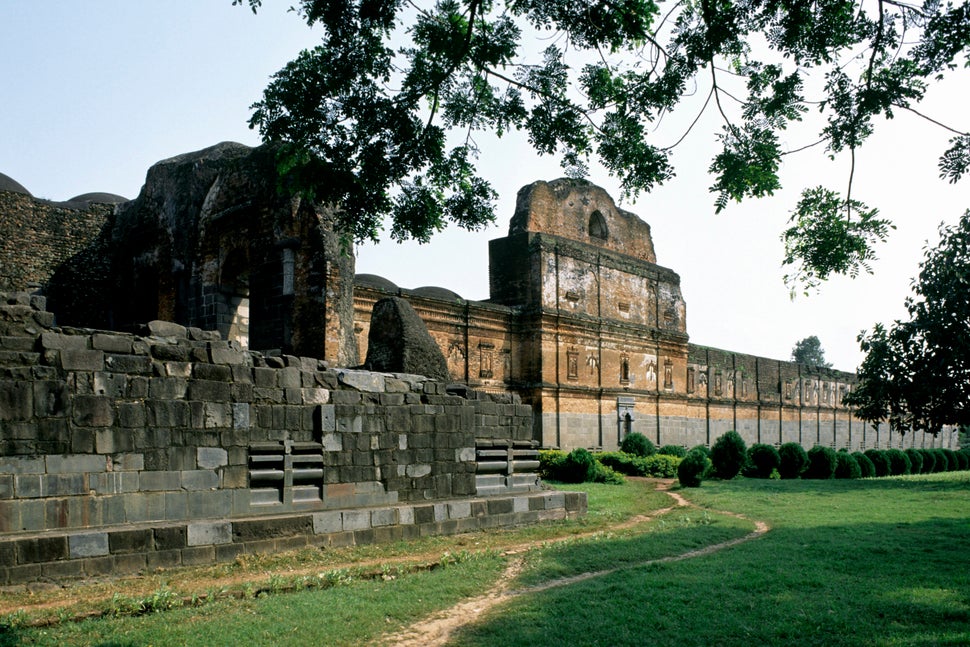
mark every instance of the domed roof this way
{"type": "Point", "coordinates": [375, 281]}
{"type": "Point", "coordinates": [434, 292]}
{"type": "Point", "coordinates": [7, 183]}
{"type": "Point", "coordinates": [99, 198]}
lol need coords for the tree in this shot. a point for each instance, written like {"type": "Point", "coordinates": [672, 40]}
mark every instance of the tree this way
{"type": "Point", "coordinates": [384, 129]}
{"type": "Point", "coordinates": [809, 352]}
{"type": "Point", "coordinates": [916, 374]}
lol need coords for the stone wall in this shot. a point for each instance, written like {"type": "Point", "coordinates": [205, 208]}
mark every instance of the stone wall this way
{"type": "Point", "coordinates": [188, 439]}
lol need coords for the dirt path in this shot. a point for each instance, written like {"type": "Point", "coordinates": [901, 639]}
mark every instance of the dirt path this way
{"type": "Point", "coordinates": [439, 628]}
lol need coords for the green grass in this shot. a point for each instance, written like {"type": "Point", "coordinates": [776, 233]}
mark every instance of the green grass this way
{"type": "Point", "coordinates": [870, 562]}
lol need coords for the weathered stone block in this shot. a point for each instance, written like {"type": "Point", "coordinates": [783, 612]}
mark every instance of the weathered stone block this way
{"type": "Point", "coordinates": [228, 356]}
{"type": "Point", "coordinates": [169, 353]}
{"type": "Point", "coordinates": [69, 463]}
{"type": "Point", "coordinates": [209, 391]}
{"type": "Point", "coordinates": [170, 537]}
{"type": "Point", "coordinates": [210, 458]}
{"type": "Point", "coordinates": [116, 343]}
{"type": "Point", "coordinates": [168, 388]}
{"type": "Point", "coordinates": [356, 519]}
{"type": "Point", "coordinates": [41, 549]}
{"type": "Point", "coordinates": [16, 401]}
{"type": "Point", "coordinates": [208, 532]}
{"type": "Point", "coordinates": [22, 465]}
{"type": "Point", "coordinates": [159, 481]}
{"type": "Point", "coordinates": [93, 411]}
{"type": "Point", "coordinates": [257, 529]}
{"type": "Point", "coordinates": [57, 341]}
{"type": "Point", "coordinates": [130, 541]}
{"type": "Point", "coordinates": [199, 480]}
{"type": "Point", "coordinates": [166, 329]}
{"type": "Point", "coordinates": [218, 415]}
{"type": "Point", "coordinates": [215, 372]}
{"type": "Point", "coordinates": [362, 380]}
{"type": "Point", "coordinates": [82, 360]}
{"type": "Point", "coordinates": [131, 364]}
{"type": "Point", "coordinates": [89, 544]}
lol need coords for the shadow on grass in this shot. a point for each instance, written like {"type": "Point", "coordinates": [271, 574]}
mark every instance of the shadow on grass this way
{"type": "Point", "coordinates": [852, 584]}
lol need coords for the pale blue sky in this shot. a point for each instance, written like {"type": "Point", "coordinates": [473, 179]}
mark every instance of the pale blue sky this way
{"type": "Point", "coordinates": [95, 92]}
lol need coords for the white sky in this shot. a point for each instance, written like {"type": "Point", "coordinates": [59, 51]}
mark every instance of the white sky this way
{"type": "Point", "coordinates": [95, 92]}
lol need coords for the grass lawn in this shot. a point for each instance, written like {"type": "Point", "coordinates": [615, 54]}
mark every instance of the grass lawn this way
{"type": "Point", "coordinates": [869, 562]}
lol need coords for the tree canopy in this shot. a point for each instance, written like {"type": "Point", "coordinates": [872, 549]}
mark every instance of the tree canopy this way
{"type": "Point", "coordinates": [380, 118]}
{"type": "Point", "coordinates": [809, 351]}
{"type": "Point", "coordinates": [916, 373]}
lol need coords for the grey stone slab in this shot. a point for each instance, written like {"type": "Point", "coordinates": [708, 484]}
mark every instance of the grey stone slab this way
{"type": "Point", "coordinates": [67, 463]}
{"type": "Point", "coordinates": [159, 481]}
{"type": "Point", "coordinates": [22, 465]}
{"type": "Point", "coordinates": [209, 458]}
{"type": "Point", "coordinates": [383, 517]}
{"type": "Point", "coordinates": [199, 480]}
{"type": "Point", "coordinates": [16, 400]}
{"type": "Point", "coordinates": [93, 411]}
{"type": "Point", "coordinates": [89, 544]}
{"type": "Point", "coordinates": [167, 329]}
{"type": "Point", "coordinates": [82, 360]}
{"type": "Point", "coordinates": [327, 522]}
{"type": "Point", "coordinates": [57, 341]}
{"type": "Point", "coordinates": [356, 519]}
{"type": "Point", "coordinates": [241, 415]}
{"type": "Point", "coordinates": [205, 533]}
{"type": "Point", "coordinates": [365, 381]}
{"type": "Point", "coordinates": [459, 509]}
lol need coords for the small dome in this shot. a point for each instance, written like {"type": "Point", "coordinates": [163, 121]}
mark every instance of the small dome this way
{"type": "Point", "coordinates": [7, 183]}
{"type": "Point", "coordinates": [374, 281]}
{"type": "Point", "coordinates": [434, 292]}
{"type": "Point", "coordinates": [99, 198]}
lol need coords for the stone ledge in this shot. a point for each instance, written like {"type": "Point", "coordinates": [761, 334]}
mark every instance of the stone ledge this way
{"type": "Point", "coordinates": [94, 552]}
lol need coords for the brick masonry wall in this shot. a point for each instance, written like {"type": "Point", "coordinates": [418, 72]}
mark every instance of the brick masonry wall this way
{"type": "Point", "coordinates": [102, 431]}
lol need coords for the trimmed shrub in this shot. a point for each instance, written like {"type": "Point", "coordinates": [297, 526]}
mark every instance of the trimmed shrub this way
{"type": "Point", "coordinates": [658, 465]}
{"type": "Point", "coordinates": [762, 461]}
{"type": "Point", "coordinates": [929, 461]}
{"type": "Point", "coordinates": [702, 448]}
{"type": "Point", "coordinates": [915, 460]}
{"type": "Point", "coordinates": [880, 461]}
{"type": "Point", "coordinates": [898, 462]}
{"type": "Point", "coordinates": [940, 463]}
{"type": "Point", "coordinates": [550, 462]}
{"type": "Point", "coordinates": [821, 463]}
{"type": "Point", "coordinates": [603, 474]}
{"type": "Point", "coordinates": [661, 465]}
{"type": "Point", "coordinates": [728, 455]}
{"type": "Point", "coordinates": [577, 467]}
{"type": "Point", "coordinates": [952, 464]}
{"type": "Point", "coordinates": [673, 450]}
{"type": "Point", "coordinates": [964, 459]}
{"type": "Point", "coordinates": [692, 469]}
{"type": "Point", "coordinates": [847, 467]}
{"type": "Point", "coordinates": [794, 460]}
{"type": "Point", "coordinates": [865, 465]}
{"type": "Point", "coordinates": [637, 444]}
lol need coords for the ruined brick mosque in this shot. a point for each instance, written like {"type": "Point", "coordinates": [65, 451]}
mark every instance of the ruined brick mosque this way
{"type": "Point", "coordinates": [581, 322]}
{"type": "Point", "coordinates": [198, 373]}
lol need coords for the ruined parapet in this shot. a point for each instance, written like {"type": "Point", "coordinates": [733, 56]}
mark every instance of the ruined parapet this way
{"type": "Point", "coordinates": [212, 241]}
{"type": "Point", "coordinates": [120, 452]}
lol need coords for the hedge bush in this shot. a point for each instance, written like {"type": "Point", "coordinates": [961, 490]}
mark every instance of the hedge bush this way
{"type": "Point", "coordinates": [915, 460]}
{"type": "Point", "coordinates": [728, 455]}
{"type": "Point", "coordinates": [702, 448]}
{"type": "Point", "coordinates": [762, 461]}
{"type": "Point", "coordinates": [880, 461]}
{"type": "Point", "coordinates": [673, 450]}
{"type": "Point", "coordinates": [847, 467]}
{"type": "Point", "coordinates": [794, 460]}
{"type": "Point", "coordinates": [929, 460]}
{"type": "Point", "coordinates": [821, 463]}
{"type": "Point", "coordinates": [637, 444]}
{"type": "Point", "coordinates": [952, 464]}
{"type": "Point", "coordinates": [898, 462]}
{"type": "Point", "coordinates": [942, 462]}
{"type": "Point", "coordinates": [865, 465]}
{"type": "Point", "coordinates": [692, 469]}
{"type": "Point", "coordinates": [657, 465]}
{"type": "Point", "coordinates": [964, 459]}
